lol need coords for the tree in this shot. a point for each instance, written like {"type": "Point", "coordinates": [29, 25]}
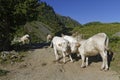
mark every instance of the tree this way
{"type": "Point", "coordinates": [13, 14]}
{"type": "Point", "coordinates": [48, 16]}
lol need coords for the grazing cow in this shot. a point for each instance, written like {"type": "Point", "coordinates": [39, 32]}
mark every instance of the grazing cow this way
{"type": "Point", "coordinates": [60, 44]}
{"type": "Point", "coordinates": [49, 37]}
{"type": "Point", "coordinates": [97, 44]}
{"type": "Point", "coordinates": [24, 38]}
{"type": "Point", "coordinates": [73, 43]}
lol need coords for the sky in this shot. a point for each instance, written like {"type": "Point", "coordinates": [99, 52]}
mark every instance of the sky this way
{"type": "Point", "coordinates": [84, 11]}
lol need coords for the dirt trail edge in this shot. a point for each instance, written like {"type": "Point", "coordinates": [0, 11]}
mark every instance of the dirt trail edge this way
{"type": "Point", "coordinates": [40, 65]}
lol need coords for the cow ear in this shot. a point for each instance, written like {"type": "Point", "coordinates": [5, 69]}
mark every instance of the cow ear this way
{"type": "Point", "coordinates": [59, 44]}
{"type": "Point", "coordinates": [78, 44]}
{"type": "Point", "coordinates": [62, 35]}
{"type": "Point", "coordinates": [75, 34]}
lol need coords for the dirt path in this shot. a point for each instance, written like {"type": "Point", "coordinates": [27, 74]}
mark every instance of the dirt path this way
{"type": "Point", "coordinates": [40, 65]}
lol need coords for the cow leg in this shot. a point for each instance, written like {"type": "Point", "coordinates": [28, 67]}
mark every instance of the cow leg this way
{"type": "Point", "coordinates": [106, 61]}
{"type": "Point", "coordinates": [86, 61]}
{"type": "Point", "coordinates": [51, 44]}
{"type": "Point", "coordinates": [103, 60]}
{"type": "Point", "coordinates": [63, 57]}
{"type": "Point", "coordinates": [28, 41]}
{"type": "Point", "coordinates": [23, 42]}
{"type": "Point", "coordinates": [71, 60]}
{"type": "Point", "coordinates": [83, 59]}
{"type": "Point", "coordinates": [56, 54]}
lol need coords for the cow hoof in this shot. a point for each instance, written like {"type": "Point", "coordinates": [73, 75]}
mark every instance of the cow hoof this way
{"type": "Point", "coordinates": [102, 68]}
{"type": "Point", "coordinates": [106, 69]}
{"type": "Point", "coordinates": [64, 62]}
{"type": "Point", "coordinates": [83, 66]}
{"type": "Point", "coordinates": [86, 65]}
{"type": "Point", "coordinates": [71, 61]}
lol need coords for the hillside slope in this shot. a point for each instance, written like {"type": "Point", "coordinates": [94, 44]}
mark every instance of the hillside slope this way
{"type": "Point", "coordinates": [68, 21]}
{"type": "Point", "coordinates": [38, 31]}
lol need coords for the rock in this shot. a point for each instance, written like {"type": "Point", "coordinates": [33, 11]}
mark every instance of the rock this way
{"type": "Point", "coordinates": [117, 34]}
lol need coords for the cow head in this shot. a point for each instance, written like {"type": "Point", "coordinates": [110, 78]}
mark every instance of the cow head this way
{"type": "Point", "coordinates": [74, 47]}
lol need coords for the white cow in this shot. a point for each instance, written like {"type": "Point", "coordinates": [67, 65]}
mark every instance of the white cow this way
{"type": "Point", "coordinates": [97, 44]}
{"type": "Point", "coordinates": [60, 44]}
{"type": "Point", "coordinates": [24, 38]}
{"type": "Point", "coordinates": [73, 43]}
{"type": "Point", "coordinates": [49, 37]}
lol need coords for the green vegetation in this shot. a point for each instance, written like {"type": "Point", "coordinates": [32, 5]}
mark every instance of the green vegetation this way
{"type": "Point", "coordinates": [3, 72]}
{"type": "Point", "coordinates": [14, 14]}
{"type": "Point", "coordinates": [91, 29]}
{"type": "Point", "coordinates": [33, 17]}
{"type": "Point", "coordinates": [69, 22]}
{"type": "Point", "coordinates": [48, 17]}
{"type": "Point", "coordinates": [110, 29]}
{"type": "Point", "coordinates": [12, 57]}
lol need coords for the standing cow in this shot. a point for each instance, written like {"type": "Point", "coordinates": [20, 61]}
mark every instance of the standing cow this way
{"type": "Point", "coordinates": [60, 44]}
{"type": "Point", "coordinates": [97, 44]}
{"type": "Point", "coordinates": [49, 37]}
{"type": "Point", "coordinates": [24, 39]}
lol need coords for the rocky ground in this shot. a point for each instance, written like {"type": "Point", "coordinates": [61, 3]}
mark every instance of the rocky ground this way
{"type": "Point", "coordinates": [40, 65]}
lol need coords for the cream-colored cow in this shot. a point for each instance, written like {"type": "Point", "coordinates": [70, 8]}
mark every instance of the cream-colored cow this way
{"type": "Point", "coordinates": [60, 44]}
{"type": "Point", "coordinates": [97, 44]}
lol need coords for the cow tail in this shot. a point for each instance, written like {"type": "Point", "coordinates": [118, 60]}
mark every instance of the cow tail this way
{"type": "Point", "coordinates": [51, 44]}
{"type": "Point", "coordinates": [106, 43]}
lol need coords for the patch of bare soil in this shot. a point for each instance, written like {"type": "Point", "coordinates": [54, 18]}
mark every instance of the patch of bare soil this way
{"type": "Point", "coordinates": [40, 65]}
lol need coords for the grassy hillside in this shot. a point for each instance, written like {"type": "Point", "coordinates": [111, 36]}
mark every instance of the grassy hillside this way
{"type": "Point", "coordinates": [68, 21]}
{"type": "Point", "coordinates": [110, 29]}
{"type": "Point", "coordinates": [89, 30]}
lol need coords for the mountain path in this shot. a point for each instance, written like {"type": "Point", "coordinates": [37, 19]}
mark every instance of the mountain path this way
{"type": "Point", "coordinates": [40, 65]}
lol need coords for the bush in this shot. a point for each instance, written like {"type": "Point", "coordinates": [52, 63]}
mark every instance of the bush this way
{"type": "Point", "coordinates": [3, 72]}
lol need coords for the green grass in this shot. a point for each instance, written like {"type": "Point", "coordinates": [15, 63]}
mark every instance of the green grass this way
{"type": "Point", "coordinates": [90, 30]}
{"type": "Point", "coordinates": [115, 64]}
{"type": "Point", "coordinates": [17, 58]}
